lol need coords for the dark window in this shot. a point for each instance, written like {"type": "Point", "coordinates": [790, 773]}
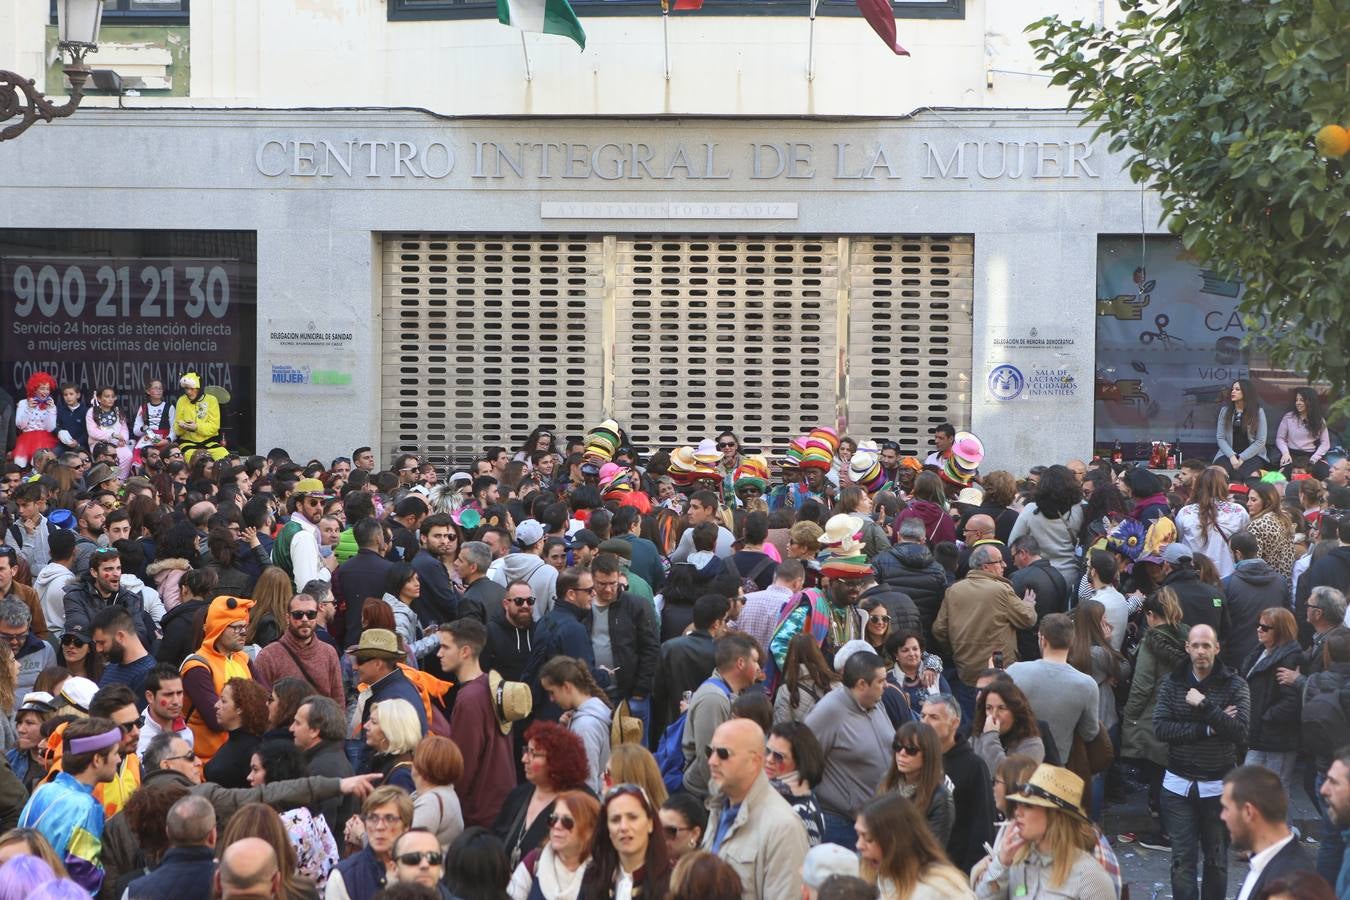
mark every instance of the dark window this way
{"type": "Point", "coordinates": [148, 12]}
{"type": "Point", "coordinates": [402, 10]}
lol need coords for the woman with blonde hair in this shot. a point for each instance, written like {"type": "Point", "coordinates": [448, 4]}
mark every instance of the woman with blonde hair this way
{"type": "Point", "coordinates": [392, 733]}
{"type": "Point", "coordinates": [902, 857]}
{"type": "Point", "coordinates": [30, 842]}
{"type": "Point", "coordinates": [272, 595]}
{"type": "Point", "coordinates": [1162, 650]}
{"type": "Point", "coordinates": [1210, 519]}
{"type": "Point", "coordinates": [916, 773]}
{"type": "Point", "coordinates": [1047, 849]}
{"type": "Point", "coordinates": [634, 764]}
{"type": "Point", "coordinates": [1271, 527]}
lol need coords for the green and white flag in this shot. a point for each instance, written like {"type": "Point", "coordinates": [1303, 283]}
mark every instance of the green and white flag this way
{"type": "Point", "coordinates": [542, 16]}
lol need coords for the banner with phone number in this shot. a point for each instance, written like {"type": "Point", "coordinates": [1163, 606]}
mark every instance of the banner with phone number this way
{"type": "Point", "coordinates": [122, 321]}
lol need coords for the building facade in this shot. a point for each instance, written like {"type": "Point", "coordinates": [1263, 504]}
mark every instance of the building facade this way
{"type": "Point", "coordinates": [881, 242]}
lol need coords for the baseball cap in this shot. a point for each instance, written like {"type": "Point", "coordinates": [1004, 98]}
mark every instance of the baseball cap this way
{"type": "Point", "coordinates": [825, 860]}
{"type": "Point", "coordinates": [529, 533]}
{"type": "Point", "coordinates": [461, 478]}
{"type": "Point", "coordinates": [1176, 552]}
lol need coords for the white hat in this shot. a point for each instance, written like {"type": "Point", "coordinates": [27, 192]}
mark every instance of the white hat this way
{"type": "Point", "coordinates": [529, 533]}
{"type": "Point", "coordinates": [79, 692]}
{"type": "Point", "coordinates": [824, 860]}
{"type": "Point", "coordinates": [843, 653]}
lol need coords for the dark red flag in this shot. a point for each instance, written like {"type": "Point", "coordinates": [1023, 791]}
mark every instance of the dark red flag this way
{"type": "Point", "coordinates": [881, 17]}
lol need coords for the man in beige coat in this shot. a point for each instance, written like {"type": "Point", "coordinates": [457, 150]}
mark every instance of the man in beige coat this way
{"type": "Point", "coordinates": [979, 618]}
{"type": "Point", "coordinates": [750, 826]}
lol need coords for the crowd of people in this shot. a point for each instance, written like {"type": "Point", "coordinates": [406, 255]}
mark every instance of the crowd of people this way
{"type": "Point", "coordinates": [571, 670]}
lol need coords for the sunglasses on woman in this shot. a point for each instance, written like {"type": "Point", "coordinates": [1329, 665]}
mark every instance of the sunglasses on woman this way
{"type": "Point", "coordinates": [566, 822]}
{"type": "Point", "coordinates": [907, 749]}
{"type": "Point", "coordinates": [70, 640]}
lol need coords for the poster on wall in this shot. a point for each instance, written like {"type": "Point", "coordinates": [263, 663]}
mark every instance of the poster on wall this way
{"type": "Point", "coordinates": [127, 319]}
{"type": "Point", "coordinates": [1170, 343]}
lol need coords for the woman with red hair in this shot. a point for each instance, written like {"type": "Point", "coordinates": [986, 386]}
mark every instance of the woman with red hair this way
{"type": "Point", "coordinates": [35, 418]}
{"type": "Point", "coordinates": [555, 762]}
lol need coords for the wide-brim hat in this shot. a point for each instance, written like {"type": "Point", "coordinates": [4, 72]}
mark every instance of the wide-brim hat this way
{"type": "Point", "coordinates": [602, 442]}
{"type": "Point", "coordinates": [378, 643]}
{"type": "Point", "coordinates": [967, 451]}
{"type": "Point", "coordinates": [865, 470]}
{"type": "Point", "coordinates": [841, 529]}
{"type": "Point", "coordinates": [792, 457]}
{"type": "Point", "coordinates": [843, 556]}
{"type": "Point", "coordinates": [970, 496]}
{"type": "Point", "coordinates": [752, 472]}
{"type": "Point", "coordinates": [511, 700]}
{"type": "Point", "coordinates": [311, 487]}
{"type": "Point", "coordinates": [707, 453]}
{"type": "Point", "coordinates": [819, 448]}
{"type": "Point", "coordinates": [1052, 787]}
{"type": "Point", "coordinates": [99, 474]}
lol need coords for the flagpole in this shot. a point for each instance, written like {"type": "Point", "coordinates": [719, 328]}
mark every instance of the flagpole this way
{"type": "Point", "coordinates": [665, 35]}
{"type": "Point", "coordinates": [811, 47]}
{"type": "Point", "coordinates": [529, 76]}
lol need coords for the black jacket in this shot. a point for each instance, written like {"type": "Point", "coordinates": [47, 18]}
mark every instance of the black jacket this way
{"type": "Point", "coordinates": [362, 576]}
{"type": "Point", "coordinates": [1201, 603]}
{"type": "Point", "coordinates": [565, 630]}
{"type": "Point", "coordinates": [1291, 858]}
{"type": "Point", "coordinates": [176, 625]}
{"type": "Point", "coordinates": [635, 644]}
{"type": "Point", "coordinates": [1252, 587]}
{"type": "Point", "coordinates": [899, 606]}
{"type": "Point", "coordinates": [439, 600]}
{"type": "Point", "coordinates": [183, 872]}
{"type": "Point", "coordinates": [229, 767]}
{"type": "Point", "coordinates": [508, 648]}
{"type": "Point", "coordinates": [1326, 713]}
{"type": "Point", "coordinates": [329, 759]}
{"type": "Point", "coordinates": [1052, 596]}
{"type": "Point", "coordinates": [478, 598]}
{"type": "Point", "coordinates": [1332, 570]}
{"type": "Point", "coordinates": [973, 795]}
{"type": "Point", "coordinates": [1202, 741]}
{"type": "Point", "coordinates": [82, 602]}
{"type": "Point", "coordinates": [1276, 708]}
{"type": "Point", "coordinates": [685, 663]}
{"type": "Point", "coordinates": [912, 569]}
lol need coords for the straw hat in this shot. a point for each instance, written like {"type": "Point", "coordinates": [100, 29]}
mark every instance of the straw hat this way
{"type": "Point", "coordinates": [511, 700]}
{"type": "Point", "coordinates": [1053, 788]}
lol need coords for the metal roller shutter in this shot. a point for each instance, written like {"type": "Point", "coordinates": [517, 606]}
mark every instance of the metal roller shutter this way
{"type": "Point", "coordinates": [735, 332]}
{"type": "Point", "coordinates": [486, 337]}
{"type": "Point", "coordinates": [910, 336]}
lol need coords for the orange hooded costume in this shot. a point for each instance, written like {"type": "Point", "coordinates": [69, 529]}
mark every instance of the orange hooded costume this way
{"type": "Point", "coordinates": [222, 613]}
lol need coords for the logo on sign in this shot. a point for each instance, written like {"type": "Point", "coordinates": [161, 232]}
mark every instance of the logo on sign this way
{"type": "Point", "coordinates": [1006, 382]}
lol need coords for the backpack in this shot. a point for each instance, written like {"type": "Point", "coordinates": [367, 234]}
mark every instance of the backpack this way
{"type": "Point", "coordinates": [748, 582]}
{"type": "Point", "coordinates": [670, 749]}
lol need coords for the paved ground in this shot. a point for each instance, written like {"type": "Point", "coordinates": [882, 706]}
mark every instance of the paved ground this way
{"type": "Point", "coordinates": [1148, 872]}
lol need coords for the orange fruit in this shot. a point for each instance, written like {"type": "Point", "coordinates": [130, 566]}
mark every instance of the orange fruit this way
{"type": "Point", "coordinates": [1333, 141]}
